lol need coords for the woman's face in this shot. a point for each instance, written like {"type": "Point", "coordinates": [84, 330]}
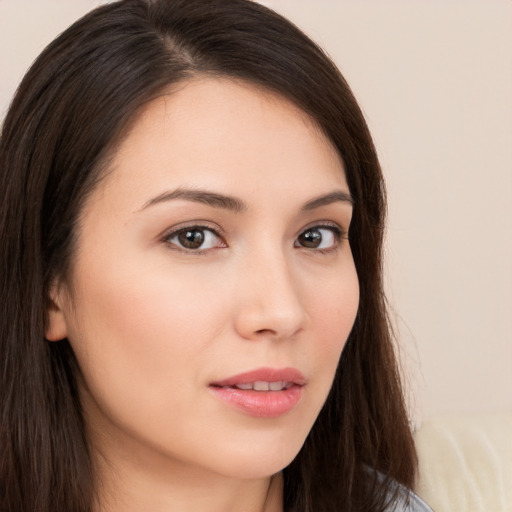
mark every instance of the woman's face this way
{"type": "Point", "coordinates": [212, 289]}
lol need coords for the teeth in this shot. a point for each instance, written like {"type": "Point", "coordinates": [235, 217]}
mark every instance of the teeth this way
{"type": "Point", "coordinates": [276, 386]}
{"type": "Point", "coordinates": [260, 385]}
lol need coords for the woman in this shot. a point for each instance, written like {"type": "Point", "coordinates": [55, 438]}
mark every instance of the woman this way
{"type": "Point", "coordinates": [191, 220]}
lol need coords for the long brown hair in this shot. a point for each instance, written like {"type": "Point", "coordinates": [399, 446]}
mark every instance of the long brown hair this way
{"type": "Point", "coordinates": [66, 118]}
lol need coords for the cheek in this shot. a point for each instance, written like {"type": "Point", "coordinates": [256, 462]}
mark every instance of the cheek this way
{"type": "Point", "coordinates": [334, 304]}
{"type": "Point", "coordinates": [332, 310]}
{"type": "Point", "coordinates": [139, 335]}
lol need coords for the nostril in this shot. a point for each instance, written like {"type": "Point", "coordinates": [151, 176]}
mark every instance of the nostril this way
{"type": "Point", "coordinates": [266, 331]}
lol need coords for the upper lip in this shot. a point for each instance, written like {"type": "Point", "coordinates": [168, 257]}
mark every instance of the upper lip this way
{"type": "Point", "coordinates": [291, 375]}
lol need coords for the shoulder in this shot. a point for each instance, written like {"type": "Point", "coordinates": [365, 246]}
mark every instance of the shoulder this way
{"type": "Point", "coordinates": [399, 497]}
{"type": "Point", "coordinates": [407, 501]}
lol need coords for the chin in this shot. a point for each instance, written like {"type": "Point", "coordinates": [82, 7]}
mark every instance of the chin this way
{"type": "Point", "coordinates": [259, 458]}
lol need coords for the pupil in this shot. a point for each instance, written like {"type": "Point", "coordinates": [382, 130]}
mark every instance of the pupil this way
{"type": "Point", "coordinates": [311, 238]}
{"type": "Point", "coordinates": [191, 239]}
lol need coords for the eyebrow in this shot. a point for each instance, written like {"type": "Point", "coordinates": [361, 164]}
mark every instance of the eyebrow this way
{"type": "Point", "coordinates": [200, 196]}
{"type": "Point", "coordinates": [237, 205]}
{"type": "Point", "coordinates": [333, 197]}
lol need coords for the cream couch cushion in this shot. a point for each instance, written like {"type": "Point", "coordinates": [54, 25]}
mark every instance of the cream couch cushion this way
{"type": "Point", "coordinates": [466, 463]}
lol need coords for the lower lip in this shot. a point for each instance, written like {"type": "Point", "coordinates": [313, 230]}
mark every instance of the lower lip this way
{"type": "Point", "coordinates": [263, 404]}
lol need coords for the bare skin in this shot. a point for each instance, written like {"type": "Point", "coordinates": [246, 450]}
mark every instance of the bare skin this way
{"type": "Point", "coordinates": [216, 245]}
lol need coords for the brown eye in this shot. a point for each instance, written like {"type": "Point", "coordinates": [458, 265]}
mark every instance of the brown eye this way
{"type": "Point", "coordinates": [311, 238]}
{"type": "Point", "coordinates": [320, 237]}
{"type": "Point", "coordinates": [191, 238]}
{"type": "Point", "coordinates": [194, 238]}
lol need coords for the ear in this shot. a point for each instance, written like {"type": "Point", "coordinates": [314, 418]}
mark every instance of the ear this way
{"type": "Point", "coordinates": [56, 328]}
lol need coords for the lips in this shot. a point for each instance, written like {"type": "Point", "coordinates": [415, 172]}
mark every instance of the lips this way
{"type": "Point", "coordinates": [290, 375]}
{"type": "Point", "coordinates": [265, 392]}
{"type": "Point", "coordinates": [260, 385]}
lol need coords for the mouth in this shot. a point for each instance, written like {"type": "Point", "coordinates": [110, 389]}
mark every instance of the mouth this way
{"type": "Point", "coordinates": [264, 379]}
{"type": "Point", "coordinates": [261, 385]}
{"type": "Point", "coordinates": [264, 393]}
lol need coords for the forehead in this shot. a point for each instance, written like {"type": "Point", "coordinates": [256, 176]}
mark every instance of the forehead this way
{"type": "Point", "coordinates": [226, 134]}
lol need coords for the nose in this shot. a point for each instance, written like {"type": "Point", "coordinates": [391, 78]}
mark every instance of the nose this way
{"type": "Point", "coordinates": [269, 301]}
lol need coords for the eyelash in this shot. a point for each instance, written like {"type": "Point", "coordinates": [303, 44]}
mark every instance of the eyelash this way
{"type": "Point", "coordinates": [166, 239]}
{"type": "Point", "coordinates": [338, 232]}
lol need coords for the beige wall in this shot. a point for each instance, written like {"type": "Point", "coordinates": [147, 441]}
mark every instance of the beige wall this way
{"type": "Point", "coordinates": [434, 79]}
